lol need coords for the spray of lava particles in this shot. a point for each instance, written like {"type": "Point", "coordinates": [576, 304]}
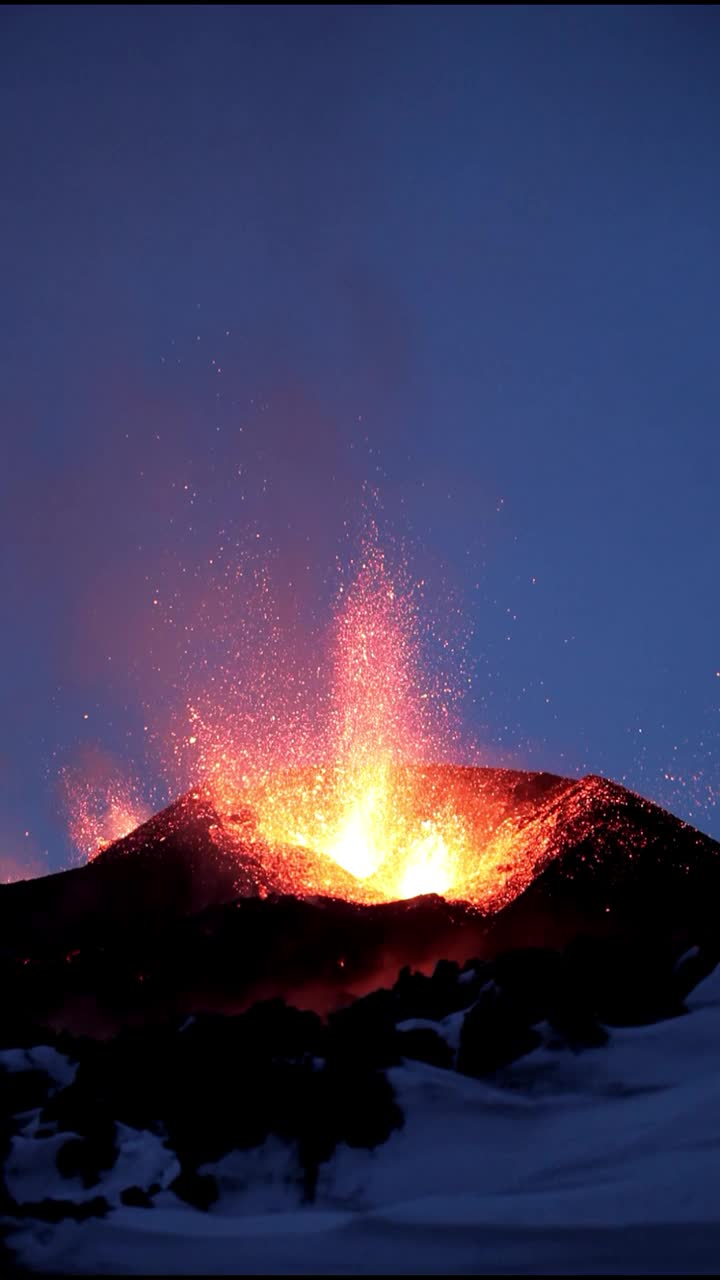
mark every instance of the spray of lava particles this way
{"type": "Point", "coordinates": [383, 714]}
{"type": "Point", "coordinates": [102, 802]}
{"type": "Point", "coordinates": [324, 789]}
{"type": "Point", "coordinates": [348, 793]}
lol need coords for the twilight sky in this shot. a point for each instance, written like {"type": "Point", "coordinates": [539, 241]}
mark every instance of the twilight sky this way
{"type": "Point", "coordinates": [253, 257]}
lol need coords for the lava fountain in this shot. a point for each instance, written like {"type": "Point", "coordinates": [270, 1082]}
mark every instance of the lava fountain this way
{"type": "Point", "coordinates": [355, 797]}
{"type": "Point", "coordinates": [354, 808]}
{"type": "Point", "coordinates": [103, 802]}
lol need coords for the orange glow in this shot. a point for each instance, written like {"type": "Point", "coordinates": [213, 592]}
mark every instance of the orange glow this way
{"type": "Point", "coordinates": [366, 835]}
{"type": "Point", "coordinates": [103, 807]}
{"type": "Point", "coordinates": [372, 837]}
{"type": "Point", "coordinates": [359, 805]}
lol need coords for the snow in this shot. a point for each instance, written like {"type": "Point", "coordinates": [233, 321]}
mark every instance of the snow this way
{"type": "Point", "coordinates": [261, 1180]}
{"type": "Point", "coordinates": [448, 1028]}
{"type": "Point", "coordinates": [606, 1160]}
{"type": "Point", "coordinates": [31, 1171]}
{"type": "Point", "coordinates": [41, 1058]}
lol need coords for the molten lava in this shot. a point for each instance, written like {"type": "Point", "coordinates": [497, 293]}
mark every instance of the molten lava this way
{"type": "Point", "coordinates": [103, 805]}
{"type": "Point", "coordinates": [360, 804]}
{"type": "Point", "coordinates": [351, 811]}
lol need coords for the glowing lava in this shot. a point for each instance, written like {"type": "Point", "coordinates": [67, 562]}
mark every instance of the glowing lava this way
{"type": "Point", "coordinates": [347, 795]}
{"type": "Point", "coordinates": [383, 714]}
{"type": "Point", "coordinates": [103, 805]}
{"type": "Point", "coordinates": [428, 867]}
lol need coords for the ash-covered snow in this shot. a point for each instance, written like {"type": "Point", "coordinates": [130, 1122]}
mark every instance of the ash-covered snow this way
{"type": "Point", "coordinates": [605, 1160]}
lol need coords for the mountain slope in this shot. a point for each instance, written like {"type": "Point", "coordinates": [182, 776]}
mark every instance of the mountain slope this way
{"type": "Point", "coordinates": [194, 911]}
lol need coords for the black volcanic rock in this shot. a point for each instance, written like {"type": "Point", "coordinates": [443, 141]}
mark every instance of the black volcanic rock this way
{"type": "Point", "coordinates": [494, 1033]}
{"type": "Point", "coordinates": [181, 916]}
{"type": "Point", "coordinates": [364, 1035]}
{"type": "Point", "coordinates": [197, 1189]}
{"type": "Point", "coordinates": [89, 1157]}
{"type": "Point", "coordinates": [625, 981]}
{"type": "Point", "coordinates": [694, 965]}
{"type": "Point", "coordinates": [422, 1044]}
{"type": "Point", "coordinates": [615, 853]}
{"type": "Point", "coordinates": [23, 1090]}
{"type": "Point", "coordinates": [168, 868]}
{"type": "Point", "coordinates": [210, 1084]}
{"type": "Point", "coordinates": [136, 1198]}
{"type": "Point", "coordinates": [531, 978]}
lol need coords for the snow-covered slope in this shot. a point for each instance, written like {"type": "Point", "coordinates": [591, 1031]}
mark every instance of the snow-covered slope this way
{"type": "Point", "coordinates": [607, 1160]}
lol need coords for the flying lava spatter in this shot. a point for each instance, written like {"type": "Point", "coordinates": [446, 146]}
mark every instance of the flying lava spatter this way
{"type": "Point", "coordinates": [355, 798]}
{"type": "Point", "coordinates": [328, 784]}
{"type": "Point", "coordinates": [103, 803]}
{"type": "Point", "coordinates": [384, 714]}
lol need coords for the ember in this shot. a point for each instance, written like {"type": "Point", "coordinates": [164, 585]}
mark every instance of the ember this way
{"type": "Point", "coordinates": [374, 836]}
{"type": "Point", "coordinates": [103, 804]}
{"type": "Point", "coordinates": [361, 806]}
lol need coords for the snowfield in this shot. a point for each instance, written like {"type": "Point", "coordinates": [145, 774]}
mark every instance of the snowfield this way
{"type": "Point", "coordinates": [605, 1160]}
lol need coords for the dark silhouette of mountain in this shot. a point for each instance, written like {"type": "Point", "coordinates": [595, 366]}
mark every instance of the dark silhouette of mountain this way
{"type": "Point", "coordinates": [169, 867]}
{"type": "Point", "coordinates": [193, 910]}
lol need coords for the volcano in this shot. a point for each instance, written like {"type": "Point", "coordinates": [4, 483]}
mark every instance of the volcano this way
{"type": "Point", "coordinates": [198, 909]}
{"type": "Point", "coordinates": [173, 986]}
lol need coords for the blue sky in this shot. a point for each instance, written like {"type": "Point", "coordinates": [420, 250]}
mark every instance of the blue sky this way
{"type": "Point", "coordinates": [466, 254]}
